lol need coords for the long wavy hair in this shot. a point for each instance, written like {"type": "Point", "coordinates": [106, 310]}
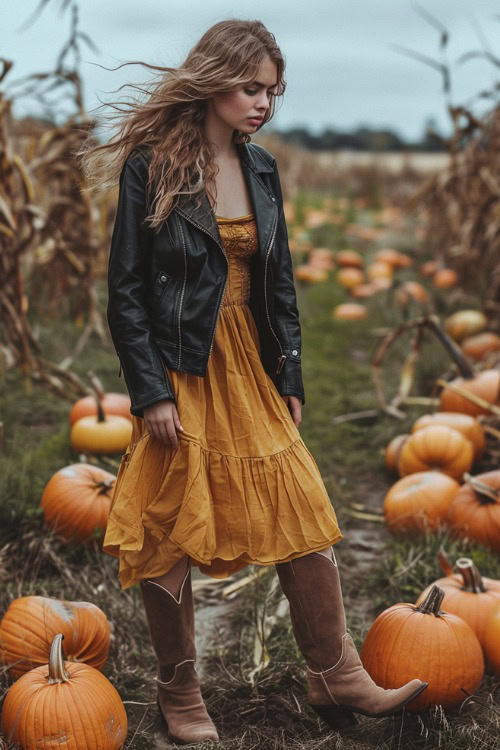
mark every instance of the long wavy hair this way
{"type": "Point", "coordinates": [168, 116]}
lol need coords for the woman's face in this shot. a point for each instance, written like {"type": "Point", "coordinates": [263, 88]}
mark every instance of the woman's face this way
{"type": "Point", "coordinates": [238, 108]}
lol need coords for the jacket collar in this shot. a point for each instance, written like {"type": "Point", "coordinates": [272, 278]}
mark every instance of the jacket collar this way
{"type": "Point", "coordinates": [253, 163]}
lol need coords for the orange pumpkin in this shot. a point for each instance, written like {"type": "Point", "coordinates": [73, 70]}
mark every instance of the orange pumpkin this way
{"type": "Point", "coordinates": [469, 426]}
{"type": "Point", "coordinates": [491, 640]}
{"type": "Point", "coordinates": [419, 502]}
{"type": "Point", "coordinates": [394, 257]}
{"type": "Point", "coordinates": [104, 436]}
{"type": "Point", "coordinates": [436, 447]}
{"type": "Point", "coordinates": [31, 622]}
{"type": "Point", "coordinates": [64, 704]}
{"type": "Point", "coordinates": [382, 282]}
{"type": "Point", "coordinates": [349, 259]}
{"type": "Point", "coordinates": [392, 452]}
{"type": "Point", "coordinates": [112, 403]}
{"type": "Point", "coordinates": [479, 346]}
{"type": "Point", "coordinates": [445, 278]}
{"type": "Point", "coordinates": [349, 311]}
{"type": "Point", "coordinates": [379, 270]}
{"type": "Point", "coordinates": [429, 268]}
{"type": "Point", "coordinates": [465, 323]}
{"type": "Point", "coordinates": [77, 500]}
{"type": "Point", "coordinates": [475, 511]}
{"type": "Point", "coordinates": [411, 290]}
{"type": "Point", "coordinates": [409, 641]}
{"type": "Point", "coordinates": [92, 405]}
{"type": "Point", "coordinates": [363, 291]}
{"type": "Point", "coordinates": [468, 595]}
{"type": "Point", "coordinates": [350, 277]}
{"type": "Point", "coordinates": [310, 274]}
{"type": "Point", "coordinates": [322, 257]}
{"type": "Point", "coordinates": [485, 384]}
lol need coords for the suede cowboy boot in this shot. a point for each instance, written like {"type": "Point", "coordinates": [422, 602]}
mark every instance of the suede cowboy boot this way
{"type": "Point", "coordinates": [338, 684]}
{"type": "Point", "coordinates": [171, 626]}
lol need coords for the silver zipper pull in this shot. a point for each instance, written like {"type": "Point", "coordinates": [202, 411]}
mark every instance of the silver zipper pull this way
{"type": "Point", "coordinates": [281, 362]}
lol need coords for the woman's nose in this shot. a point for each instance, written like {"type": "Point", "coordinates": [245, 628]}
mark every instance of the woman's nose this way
{"type": "Point", "coordinates": [263, 100]}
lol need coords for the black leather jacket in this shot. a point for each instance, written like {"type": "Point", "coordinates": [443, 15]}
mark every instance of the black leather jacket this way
{"type": "Point", "coordinates": [165, 287]}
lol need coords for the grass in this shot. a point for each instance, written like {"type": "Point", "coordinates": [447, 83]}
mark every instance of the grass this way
{"type": "Point", "coordinates": [267, 707]}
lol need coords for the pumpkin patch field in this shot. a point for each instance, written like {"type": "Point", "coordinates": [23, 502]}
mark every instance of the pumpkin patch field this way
{"type": "Point", "coordinates": [414, 482]}
{"type": "Point", "coordinates": [397, 276]}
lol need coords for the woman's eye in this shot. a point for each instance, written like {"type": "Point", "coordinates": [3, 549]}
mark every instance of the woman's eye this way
{"type": "Point", "coordinates": [251, 92]}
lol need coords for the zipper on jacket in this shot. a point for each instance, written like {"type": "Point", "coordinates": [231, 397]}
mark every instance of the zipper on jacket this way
{"type": "Point", "coordinates": [188, 218]}
{"type": "Point", "coordinates": [182, 292]}
{"type": "Point", "coordinates": [120, 370]}
{"type": "Point", "coordinates": [282, 357]}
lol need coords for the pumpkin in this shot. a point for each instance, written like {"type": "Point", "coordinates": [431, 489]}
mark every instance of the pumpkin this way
{"type": "Point", "coordinates": [479, 346]}
{"type": "Point", "coordinates": [485, 384]}
{"type": "Point", "coordinates": [469, 426]}
{"type": "Point", "coordinates": [31, 622]}
{"type": "Point", "coordinates": [409, 641]}
{"type": "Point", "coordinates": [419, 502]}
{"type": "Point", "coordinates": [112, 403]}
{"type": "Point", "coordinates": [322, 257]}
{"type": "Point", "coordinates": [350, 277]}
{"type": "Point", "coordinates": [491, 640]}
{"type": "Point", "coordinates": [349, 311]}
{"type": "Point", "coordinates": [349, 259]}
{"type": "Point", "coordinates": [363, 291]}
{"type": "Point", "coordinates": [465, 323]}
{"type": "Point", "coordinates": [101, 434]}
{"type": "Point", "coordinates": [436, 447]}
{"type": "Point", "coordinates": [393, 451]}
{"type": "Point", "coordinates": [310, 274]}
{"type": "Point", "coordinates": [475, 511]}
{"type": "Point", "coordinates": [64, 704]}
{"type": "Point", "coordinates": [411, 290]}
{"type": "Point", "coordinates": [394, 257]}
{"type": "Point", "coordinates": [445, 278]}
{"type": "Point", "coordinates": [379, 270]}
{"type": "Point", "coordinates": [382, 282]}
{"type": "Point", "coordinates": [77, 500]}
{"type": "Point", "coordinates": [429, 268]}
{"type": "Point", "coordinates": [468, 595]}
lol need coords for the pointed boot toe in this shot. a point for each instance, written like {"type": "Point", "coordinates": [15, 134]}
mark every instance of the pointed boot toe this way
{"type": "Point", "coordinates": [348, 687]}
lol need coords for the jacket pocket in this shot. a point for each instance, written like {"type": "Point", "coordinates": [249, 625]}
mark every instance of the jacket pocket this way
{"type": "Point", "coordinates": [162, 282]}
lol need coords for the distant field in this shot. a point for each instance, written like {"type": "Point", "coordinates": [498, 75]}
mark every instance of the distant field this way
{"type": "Point", "coordinates": [390, 161]}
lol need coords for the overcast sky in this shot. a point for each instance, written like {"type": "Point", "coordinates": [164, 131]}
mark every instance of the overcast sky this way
{"type": "Point", "coordinates": [342, 71]}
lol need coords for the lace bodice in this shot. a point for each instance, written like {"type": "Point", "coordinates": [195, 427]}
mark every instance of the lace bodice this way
{"type": "Point", "coordinates": [240, 240]}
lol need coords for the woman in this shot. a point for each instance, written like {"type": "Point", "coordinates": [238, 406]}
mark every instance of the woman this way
{"type": "Point", "coordinates": [202, 312]}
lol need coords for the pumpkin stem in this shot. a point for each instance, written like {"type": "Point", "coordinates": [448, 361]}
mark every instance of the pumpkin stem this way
{"type": "Point", "coordinates": [100, 411]}
{"type": "Point", "coordinates": [105, 486]}
{"type": "Point", "coordinates": [486, 493]}
{"type": "Point", "coordinates": [471, 575]}
{"type": "Point", "coordinates": [432, 602]}
{"type": "Point", "coordinates": [96, 384]}
{"type": "Point", "coordinates": [57, 671]}
{"type": "Point", "coordinates": [444, 562]}
{"type": "Point", "coordinates": [451, 347]}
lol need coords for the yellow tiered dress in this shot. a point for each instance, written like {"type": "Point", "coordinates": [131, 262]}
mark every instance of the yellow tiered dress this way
{"type": "Point", "coordinates": [242, 487]}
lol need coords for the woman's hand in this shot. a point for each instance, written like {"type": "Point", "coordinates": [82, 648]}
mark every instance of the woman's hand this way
{"type": "Point", "coordinates": [295, 408]}
{"type": "Point", "coordinates": [162, 422]}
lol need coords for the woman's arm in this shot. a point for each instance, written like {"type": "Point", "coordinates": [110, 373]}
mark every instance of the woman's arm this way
{"type": "Point", "coordinates": [285, 305]}
{"type": "Point", "coordinates": [145, 375]}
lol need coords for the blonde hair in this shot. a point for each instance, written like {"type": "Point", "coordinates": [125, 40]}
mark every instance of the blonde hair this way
{"type": "Point", "coordinates": [170, 118]}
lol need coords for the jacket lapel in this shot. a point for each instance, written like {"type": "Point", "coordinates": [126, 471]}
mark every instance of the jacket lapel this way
{"type": "Point", "coordinates": [264, 207]}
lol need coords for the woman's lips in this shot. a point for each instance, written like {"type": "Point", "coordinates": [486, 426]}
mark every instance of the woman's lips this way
{"type": "Point", "coordinates": [255, 120]}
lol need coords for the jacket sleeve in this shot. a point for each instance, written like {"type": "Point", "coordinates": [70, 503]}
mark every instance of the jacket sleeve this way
{"type": "Point", "coordinates": [145, 375]}
{"type": "Point", "coordinates": [285, 306]}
